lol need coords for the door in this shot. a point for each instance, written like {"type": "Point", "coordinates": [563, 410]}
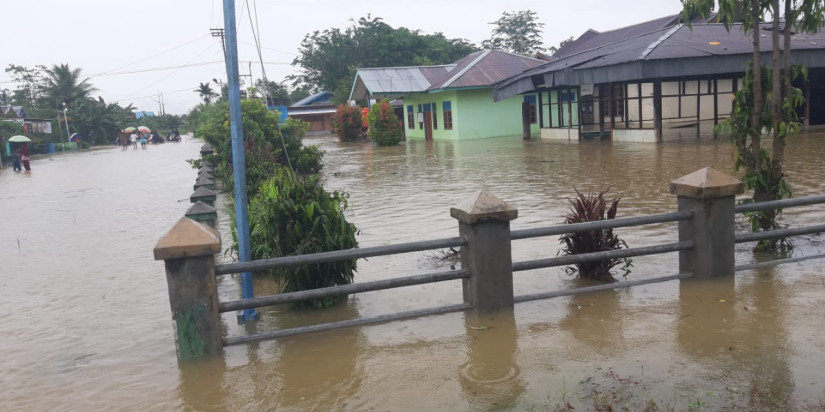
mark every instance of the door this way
{"type": "Point", "coordinates": [428, 126]}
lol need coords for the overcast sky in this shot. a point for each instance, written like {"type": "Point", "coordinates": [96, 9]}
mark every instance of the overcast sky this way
{"type": "Point", "coordinates": [133, 51]}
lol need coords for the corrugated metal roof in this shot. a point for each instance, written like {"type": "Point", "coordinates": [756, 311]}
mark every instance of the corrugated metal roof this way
{"type": "Point", "coordinates": [480, 69]}
{"type": "Point", "coordinates": [674, 51]}
{"type": "Point", "coordinates": [486, 68]}
{"type": "Point", "coordinates": [592, 39]}
{"type": "Point", "coordinates": [389, 80]}
{"type": "Point", "coordinates": [322, 98]}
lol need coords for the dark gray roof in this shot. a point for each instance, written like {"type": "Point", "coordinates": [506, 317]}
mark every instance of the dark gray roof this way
{"type": "Point", "coordinates": [592, 39]}
{"type": "Point", "coordinates": [484, 69]}
{"type": "Point", "coordinates": [648, 53]}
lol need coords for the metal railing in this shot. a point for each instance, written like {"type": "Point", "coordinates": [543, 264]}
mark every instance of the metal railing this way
{"type": "Point", "coordinates": [706, 248]}
{"type": "Point", "coordinates": [779, 233]}
{"type": "Point", "coordinates": [333, 291]}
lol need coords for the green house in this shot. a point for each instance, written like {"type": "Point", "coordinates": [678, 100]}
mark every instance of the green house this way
{"type": "Point", "coordinates": [453, 101]}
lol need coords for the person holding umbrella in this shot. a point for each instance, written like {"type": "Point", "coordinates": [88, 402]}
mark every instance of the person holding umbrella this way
{"type": "Point", "coordinates": [143, 132]}
{"type": "Point", "coordinates": [23, 152]}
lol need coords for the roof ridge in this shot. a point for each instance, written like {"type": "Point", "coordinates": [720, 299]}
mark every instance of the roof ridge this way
{"type": "Point", "coordinates": [406, 67]}
{"type": "Point", "coordinates": [461, 72]}
{"type": "Point", "coordinates": [601, 46]}
{"type": "Point", "coordinates": [652, 46]}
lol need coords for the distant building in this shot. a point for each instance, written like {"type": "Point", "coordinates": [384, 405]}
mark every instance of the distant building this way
{"type": "Point", "coordinates": [317, 110]}
{"type": "Point", "coordinates": [30, 125]}
{"type": "Point", "coordinates": [15, 113]}
{"type": "Point", "coordinates": [452, 101]}
{"type": "Point", "coordinates": [655, 81]}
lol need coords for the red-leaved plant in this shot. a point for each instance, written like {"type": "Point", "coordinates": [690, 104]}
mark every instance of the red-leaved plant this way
{"type": "Point", "coordinates": [592, 208]}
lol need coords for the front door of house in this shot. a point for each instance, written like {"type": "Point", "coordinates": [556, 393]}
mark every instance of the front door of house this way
{"type": "Point", "coordinates": [428, 126]}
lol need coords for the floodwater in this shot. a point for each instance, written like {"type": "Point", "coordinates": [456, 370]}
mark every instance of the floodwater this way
{"type": "Point", "coordinates": [86, 322]}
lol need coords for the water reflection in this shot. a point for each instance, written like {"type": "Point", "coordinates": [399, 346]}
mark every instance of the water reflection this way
{"type": "Point", "coordinates": [740, 335]}
{"type": "Point", "coordinates": [593, 318]}
{"type": "Point", "coordinates": [490, 378]}
{"type": "Point", "coordinates": [202, 384]}
{"type": "Point", "coordinates": [320, 371]}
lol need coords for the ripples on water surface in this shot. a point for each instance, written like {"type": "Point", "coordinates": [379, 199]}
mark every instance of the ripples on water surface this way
{"type": "Point", "coordinates": [87, 322]}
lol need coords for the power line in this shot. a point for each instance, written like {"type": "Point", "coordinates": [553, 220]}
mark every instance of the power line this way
{"type": "Point", "coordinates": [152, 56]}
{"type": "Point", "coordinates": [173, 72]}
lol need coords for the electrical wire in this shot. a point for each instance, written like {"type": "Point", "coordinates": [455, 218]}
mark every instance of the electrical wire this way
{"type": "Point", "coordinates": [147, 58]}
{"type": "Point", "coordinates": [173, 72]}
{"type": "Point", "coordinates": [256, 31]}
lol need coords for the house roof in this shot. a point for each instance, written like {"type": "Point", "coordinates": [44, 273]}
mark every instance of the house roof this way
{"type": "Point", "coordinates": [655, 49]}
{"type": "Point", "coordinates": [395, 81]}
{"type": "Point", "coordinates": [16, 111]}
{"type": "Point", "coordinates": [480, 69]}
{"type": "Point", "coordinates": [317, 99]}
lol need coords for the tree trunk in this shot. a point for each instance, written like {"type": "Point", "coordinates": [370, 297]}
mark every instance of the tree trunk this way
{"type": "Point", "coordinates": [776, 83]}
{"type": "Point", "coordinates": [756, 127]}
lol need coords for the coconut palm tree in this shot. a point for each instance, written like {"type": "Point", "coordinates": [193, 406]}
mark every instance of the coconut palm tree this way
{"type": "Point", "coordinates": [206, 93]}
{"type": "Point", "coordinates": [63, 86]}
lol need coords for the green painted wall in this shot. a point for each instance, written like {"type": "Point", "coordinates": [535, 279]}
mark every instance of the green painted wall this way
{"type": "Point", "coordinates": [475, 115]}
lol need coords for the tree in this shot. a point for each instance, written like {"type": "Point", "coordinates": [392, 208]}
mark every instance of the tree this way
{"type": "Point", "coordinates": [517, 32]}
{"type": "Point", "coordinates": [206, 93]}
{"type": "Point", "coordinates": [30, 83]}
{"type": "Point", "coordinates": [347, 123]}
{"type": "Point", "coordinates": [276, 93]}
{"type": "Point", "coordinates": [328, 59]}
{"type": "Point", "coordinates": [767, 101]}
{"type": "Point", "coordinates": [385, 129]}
{"type": "Point", "coordinates": [62, 85]}
{"type": "Point", "coordinates": [98, 119]}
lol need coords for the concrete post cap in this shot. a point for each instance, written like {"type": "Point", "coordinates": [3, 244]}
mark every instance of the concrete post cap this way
{"type": "Point", "coordinates": [200, 208]}
{"type": "Point", "coordinates": [706, 183]}
{"type": "Point", "coordinates": [186, 239]}
{"type": "Point", "coordinates": [483, 205]}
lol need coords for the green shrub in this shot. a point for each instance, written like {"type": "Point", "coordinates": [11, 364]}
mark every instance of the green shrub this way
{"type": "Point", "coordinates": [294, 215]}
{"type": "Point", "coordinates": [385, 129]}
{"type": "Point", "coordinates": [264, 149]}
{"type": "Point", "coordinates": [592, 208]}
{"type": "Point", "coordinates": [347, 123]}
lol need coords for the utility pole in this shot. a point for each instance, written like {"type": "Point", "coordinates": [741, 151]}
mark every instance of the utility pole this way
{"type": "Point", "coordinates": [238, 157]}
{"type": "Point", "coordinates": [222, 34]}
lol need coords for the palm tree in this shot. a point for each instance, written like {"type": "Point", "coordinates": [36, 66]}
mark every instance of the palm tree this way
{"type": "Point", "coordinates": [63, 85]}
{"type": "Point", "coordinates": [206, 93]}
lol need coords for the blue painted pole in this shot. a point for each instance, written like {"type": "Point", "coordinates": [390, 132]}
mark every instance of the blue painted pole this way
{"type": "Point", "coordinates": [238, 158]}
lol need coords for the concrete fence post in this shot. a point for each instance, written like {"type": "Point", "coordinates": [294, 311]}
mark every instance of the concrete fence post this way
{"type": "Point", "coordinates": [709, 194]}
{"type": "Point", "coordinates": [188, 251]}
{"type": "Point", "coordinates": [484, 220]}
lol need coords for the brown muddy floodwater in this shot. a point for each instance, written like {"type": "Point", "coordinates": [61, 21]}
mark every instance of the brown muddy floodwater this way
{"type": "Point", "coordinates": [86, 323]}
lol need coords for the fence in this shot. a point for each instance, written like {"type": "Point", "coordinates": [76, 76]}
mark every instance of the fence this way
{"type": "Point", "coordinates": [706, 242]}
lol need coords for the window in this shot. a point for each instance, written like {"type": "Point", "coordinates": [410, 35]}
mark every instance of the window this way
{"type": "Point", "coordinates": [420, 116]}
{"type": "Point", "coordinates": [532, 101]}
{"type": "Point", "coordinates": [435, 116]}
{"type": "Point", "coordinates": [447, 113]}
{"type": "Point", "coordinates": [410, 118]}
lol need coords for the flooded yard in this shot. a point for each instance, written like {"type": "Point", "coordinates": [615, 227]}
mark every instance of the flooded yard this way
{"type": "Point", "coordinates": [87, 323]}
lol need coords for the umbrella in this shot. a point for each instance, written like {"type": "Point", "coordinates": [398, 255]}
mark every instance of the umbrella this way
{"type": "Point", "coordinates": [75, 136]}
{"type": "Point", "coordinates": [129, 129]}
{"type": "Point", "coordinates": [19, 138]}
{"type": "Point", "coordinates": [144, 129]}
